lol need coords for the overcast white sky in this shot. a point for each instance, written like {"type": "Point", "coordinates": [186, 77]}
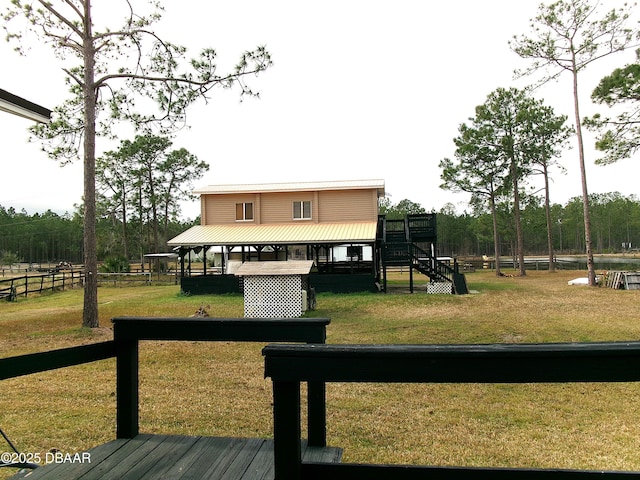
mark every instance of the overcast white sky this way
{"type": "Point", "coordinates": [359, 89]}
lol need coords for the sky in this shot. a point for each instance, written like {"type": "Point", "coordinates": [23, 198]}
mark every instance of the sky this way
{"type": "Point", "coordinates": [359, 89]}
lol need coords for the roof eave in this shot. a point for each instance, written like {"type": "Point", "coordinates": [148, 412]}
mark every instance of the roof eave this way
{"type": "Point", "coordinates": [16, 105]}
{"type": "Point", "coordinates": [266, 243]}
{"type": "Point", "coordinates": [376, 184]}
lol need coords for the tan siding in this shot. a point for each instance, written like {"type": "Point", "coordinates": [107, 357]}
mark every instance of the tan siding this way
{"type": "Point", "coordinates": [278, 207]}
{"type": "Point", "coordinates": [327, 206]}
{"type": "Point", "coordinates": [348, 205]}
{"type": "Point", "coordinates": [222, 208]}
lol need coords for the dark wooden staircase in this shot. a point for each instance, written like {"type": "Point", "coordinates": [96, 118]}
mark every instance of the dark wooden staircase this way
{"type": "Point", "coordinates": [410, 242]}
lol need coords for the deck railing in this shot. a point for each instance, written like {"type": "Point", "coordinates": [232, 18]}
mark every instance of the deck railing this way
{"type": "Point", "coordinates": [128, 331]}
{"type": "Point", "coordinates": [288, 365]}
{"type": "Point", "coordinates": [422, 227]}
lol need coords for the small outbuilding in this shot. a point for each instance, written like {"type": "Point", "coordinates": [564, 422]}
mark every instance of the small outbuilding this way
{"type": "Point", "coordinates": [276, 289]}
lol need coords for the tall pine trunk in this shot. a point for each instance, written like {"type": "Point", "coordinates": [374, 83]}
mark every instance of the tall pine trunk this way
{"type": "Point", "coordinates": [90, 310]}
{"type": "Point", "coordinates": [496, 238]}
{"type": "Point", "coordinates": [547, 210]}
{"type": "Point", "coordinates": [591, 273]}
{"type": "Point", "coordinates": [518, 221]}
{"type": "Point", "coordinates": [125, 237]}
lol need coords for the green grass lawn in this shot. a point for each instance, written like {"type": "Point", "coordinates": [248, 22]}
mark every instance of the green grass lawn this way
{"type": "Point", "coordinates": [219, 389]}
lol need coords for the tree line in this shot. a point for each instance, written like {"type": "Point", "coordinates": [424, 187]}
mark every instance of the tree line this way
{"type": "Point", "coordinates": [138, 190]}
{"type": "Point", "coordinates": [49, 237]}
{"type": "Point", "coordinates": [39, 238]}
{"type": "Point", "coordinates": [615, 223]}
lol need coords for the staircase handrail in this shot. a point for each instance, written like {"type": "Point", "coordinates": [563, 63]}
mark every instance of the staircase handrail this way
{"type": "Point", "coordinates": [442, 270]}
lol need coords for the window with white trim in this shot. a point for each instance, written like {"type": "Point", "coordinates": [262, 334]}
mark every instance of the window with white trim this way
{"type": "Point", "coordinates": [302, 210]}
{"type": "Point", "coordinates": [244, 212]}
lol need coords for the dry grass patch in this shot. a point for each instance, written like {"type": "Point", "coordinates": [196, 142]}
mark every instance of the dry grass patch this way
{"type": "Point", "coordinates": [540, 426]}
{"type": "Point", "coordinates": [540, 307]}
{"type": "Point", "coordinates": [218, 388]}
{"type": "Point", "coordinates": [204, 388]}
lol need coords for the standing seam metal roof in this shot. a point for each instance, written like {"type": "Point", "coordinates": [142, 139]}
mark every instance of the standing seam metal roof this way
{"type": "Point", "coordinates": [293, 187]}
{"type": "Point", "coordinates": [277, 234]}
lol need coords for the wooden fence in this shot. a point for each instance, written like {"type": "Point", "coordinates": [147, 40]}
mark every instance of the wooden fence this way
{"type": "Point", "coordinates": [133, 279]}
{"type": "Point", "coordinates": [11, 288]}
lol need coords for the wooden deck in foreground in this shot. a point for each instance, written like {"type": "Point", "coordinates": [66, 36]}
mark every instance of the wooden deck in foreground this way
{"type": "Point", "coordinates": [178, 457]}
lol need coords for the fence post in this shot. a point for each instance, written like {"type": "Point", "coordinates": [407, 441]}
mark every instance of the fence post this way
{"type": "Point", "coordinates": [126, 387]}
{"type": "Point", "coordinates": [317, 414]}
{"type": "Point", "coordinates": [286, 430]}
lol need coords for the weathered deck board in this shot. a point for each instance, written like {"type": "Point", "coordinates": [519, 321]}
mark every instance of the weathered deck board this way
{"type": "Point", "coordinates": [147, 457]}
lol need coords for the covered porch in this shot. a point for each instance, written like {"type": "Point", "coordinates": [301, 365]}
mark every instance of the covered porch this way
{"type": "Point", "coordinates": [343, 254]}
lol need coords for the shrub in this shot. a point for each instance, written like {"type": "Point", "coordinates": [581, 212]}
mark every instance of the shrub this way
{"type": "Point", "coordinates": [115, 265]}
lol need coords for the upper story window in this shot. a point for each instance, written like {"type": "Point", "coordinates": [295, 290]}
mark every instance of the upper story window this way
{"type": "Point", "coordinates": [302, 210]}
{"type": "Point", "coordinates": [244, 211]}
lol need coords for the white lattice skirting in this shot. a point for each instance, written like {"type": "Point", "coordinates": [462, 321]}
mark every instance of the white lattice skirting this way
{"type": "Point", "coordinates": [440, 287]}
{"type": "Point", "coordinates": [273, 296]}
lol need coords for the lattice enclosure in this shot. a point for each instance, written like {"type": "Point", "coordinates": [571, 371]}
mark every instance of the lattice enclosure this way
{"type": "Point", "coordinates": [439, 287]}
{"type": "Point", "coordinates": [273, 296]}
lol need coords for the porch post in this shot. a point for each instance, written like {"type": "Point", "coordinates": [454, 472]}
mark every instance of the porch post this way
{"type": "Point", "coordinates": [286, 430]}
{"type": "Point", "coordinates": [317, 414]}
{"type": "Point", "coordinates": [222, 254]}
{"type": "Point", "coordinates": [126, 387]}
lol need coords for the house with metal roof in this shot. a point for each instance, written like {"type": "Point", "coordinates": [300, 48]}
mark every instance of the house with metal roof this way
{"type": "Point", "coordinates": [335, 224]}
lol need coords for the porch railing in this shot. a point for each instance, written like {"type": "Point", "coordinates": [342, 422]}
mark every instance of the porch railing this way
{"type": "Point", "coordinates": [128, 331]}
{"type": "Point", "coordinates": [288, 365]}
